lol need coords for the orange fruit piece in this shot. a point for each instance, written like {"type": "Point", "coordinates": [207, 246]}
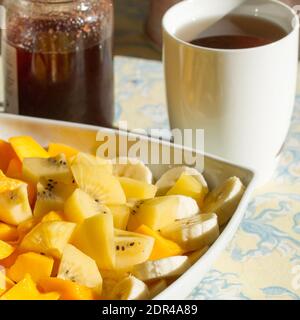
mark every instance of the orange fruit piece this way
{"type": "Point", "coordinates": [26, 290]}
{"type": "Point", "coordinates": [14, 169]}
{"type": "Point", "coordinates": [55, 149]}
{"type": "Point", "coordinates": [163, 248]}
{"type": "Point", "coordinates": [8, 232]}
{"type": "Point", "coordinates": [68, 290]}
{"type": "Point", "coordinates": [27, 147]}
{"type": "Point", "coordinates": [6, 154]}
{"type": "Point", "coordinates": [37, 265]}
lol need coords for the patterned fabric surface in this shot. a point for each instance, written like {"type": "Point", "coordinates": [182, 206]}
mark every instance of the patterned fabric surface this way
{"type": "Point", "coordinates": [263, 260]}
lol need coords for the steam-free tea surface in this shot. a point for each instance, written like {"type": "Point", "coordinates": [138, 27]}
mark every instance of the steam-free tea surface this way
{"type": "Point", "coordinates": [240, 32]}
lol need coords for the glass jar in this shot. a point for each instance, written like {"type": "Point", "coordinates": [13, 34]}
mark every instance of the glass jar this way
{"type": "Point", "coordinates": [58, 59]}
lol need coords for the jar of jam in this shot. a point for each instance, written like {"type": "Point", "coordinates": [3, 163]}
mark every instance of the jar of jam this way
{"type": "Point", "coordinates": [58, 59]}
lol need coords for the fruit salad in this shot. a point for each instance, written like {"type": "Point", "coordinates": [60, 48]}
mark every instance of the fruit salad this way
{"type": "Point", "coordinates": [74, 226]}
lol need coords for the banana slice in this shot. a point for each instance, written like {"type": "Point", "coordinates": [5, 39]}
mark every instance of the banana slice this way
{"type": "Point", "coordinates": [130, 288]}
{"type": "Point", "coordinates": [187, 207]}
{"type": "Point", "coordinates": [193, 233]}
{"type": "Point", "coordinates": [162, 268]}
{"type": "Point", "coordinates": [224, 199]}
{"type": "Point", "coordinates": [110, 279]}
{"type": "Point", "coordinates": [132, 168]}
{"type": "Point", "coordinates": [169, 178]}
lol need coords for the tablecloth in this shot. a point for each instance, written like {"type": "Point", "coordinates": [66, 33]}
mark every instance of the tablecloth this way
{"type": "Point", "coordinates": [263, 260]}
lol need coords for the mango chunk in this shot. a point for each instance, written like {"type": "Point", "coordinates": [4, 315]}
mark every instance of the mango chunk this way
{"type": "Point", "coordinates": [14, 169]}
{"type": "Point", "coordinates": [26, 290]}
{"type": "Point", "coordinates": [54, 149]}
{"type": "Point", "coordinates": [5, 249]}
{"type": "Point", "coordinates": [8, 232]}
{"type": "Point", "coordinates": [163, 248]}
{"type": "Point", "coordinates": [189, 186]}
{"type": "Point", "coordinates": [68, 290]}
{"type": "Point", "coordinates": [6, 154]}
{"type": "Point", "coordinates": [37, 265]}
{"type": "Point", "coordinates": [27, 147]}
{"type": "Point", "coordinates": [135, 189]}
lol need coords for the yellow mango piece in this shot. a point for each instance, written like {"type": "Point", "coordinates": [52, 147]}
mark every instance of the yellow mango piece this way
{"type": "Point", "coordinates": [5, 249]}
{"type": "Point", "coordinates": [5, 282]}
{"type": "Point", "coordinates": [163, 248]}
{"type": "Point", "coordinates": [6, 154]}
{"type": "Point", "coordinates": [52, 216]}
{"type": "Point", "coordinates": [27, 147]}
{"type": "Point", "coordinates": [48, 296]}
{"type": "Point", "coordinates": [8, 232]}
{"type": "Point", "coordinates": [54, 149]}
{"type": "Point", "coordinates": [68, 290]}
{"type": "Point", "coordinates": [14, 169]}
{"type": "Point", "coordinates": [26, 290]}
{"type": "Point", "coordinates": [37, 265]}
{"type": "Point", "coordinates": [135, 189]}
{"type": "Point", "coordinates": [188, 186]}
{"type": "Point", "coordinates": [120, 215]}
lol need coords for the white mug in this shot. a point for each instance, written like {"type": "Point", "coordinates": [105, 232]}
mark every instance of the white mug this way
{"type": "Point", "coordinates": [242, 98]}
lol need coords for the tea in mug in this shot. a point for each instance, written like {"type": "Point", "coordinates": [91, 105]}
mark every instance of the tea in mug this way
{"type": "Point", "coordinates": [239, 32]}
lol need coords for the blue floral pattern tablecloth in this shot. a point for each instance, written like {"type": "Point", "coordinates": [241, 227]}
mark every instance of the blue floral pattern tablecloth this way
{"type": "Point", "coordinates": [263, 260]}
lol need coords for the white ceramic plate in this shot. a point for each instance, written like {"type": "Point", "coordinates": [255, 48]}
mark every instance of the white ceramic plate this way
{"type": "Point", "coordinates": [83, 137]}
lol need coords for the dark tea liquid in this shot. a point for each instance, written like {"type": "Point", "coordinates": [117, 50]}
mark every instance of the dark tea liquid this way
{"type": "Point", "coordinates": [65, 72]}
{"type": "Point", "coordinates": [240, 32]}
